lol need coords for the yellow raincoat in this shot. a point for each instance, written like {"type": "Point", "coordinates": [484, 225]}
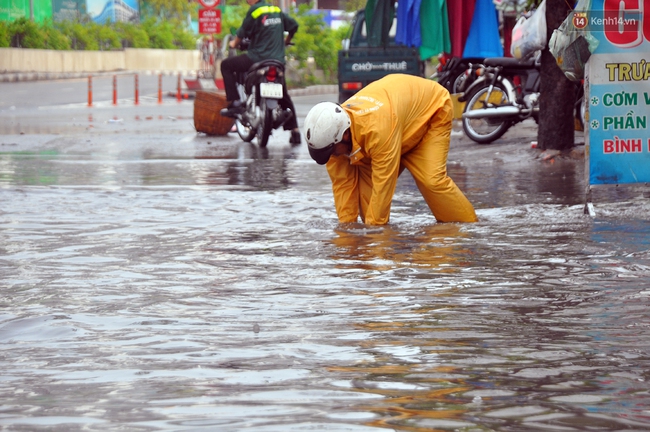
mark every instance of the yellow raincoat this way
{"type": "Point", "coordinates": [400, 121]}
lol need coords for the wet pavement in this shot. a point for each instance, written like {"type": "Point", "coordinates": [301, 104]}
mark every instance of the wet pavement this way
{"type": "Point", "coordinates": [154, 278]}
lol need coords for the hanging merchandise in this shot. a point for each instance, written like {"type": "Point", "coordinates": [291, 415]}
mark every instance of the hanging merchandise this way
{"type": "Point", "coordinates": [572, 44]}
{"type": "Point", "coordinates": [460, 21]}
{"type": "Point", "coordinates": [379, 19]}
{"type": "Point", "coordinates": [484, 39]}
{"type": "Point", "coordinates": [434, 28]}
{"type": "Point", "coordinates": [529, 34]}
{"type": "Point", "coordinates": [408, 23]}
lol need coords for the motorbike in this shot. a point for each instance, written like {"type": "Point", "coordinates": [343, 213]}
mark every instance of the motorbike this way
{"type": "Point", "coordinates": [506, 93]}
{"type": "Point", "coordinates": [260, 90]}
{"type": "Point", "coordinates": [456, 74]}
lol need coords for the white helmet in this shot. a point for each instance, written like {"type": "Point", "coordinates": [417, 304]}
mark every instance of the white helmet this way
{"type": "Point", "coordinates": [324, 126]}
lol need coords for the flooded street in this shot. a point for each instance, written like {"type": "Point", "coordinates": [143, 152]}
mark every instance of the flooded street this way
{"type": "Point", "coordinates": [154, 278]}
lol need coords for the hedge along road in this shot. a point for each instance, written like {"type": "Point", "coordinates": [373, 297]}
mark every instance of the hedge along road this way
{"type": "Point", "coordinates": [154, 278]}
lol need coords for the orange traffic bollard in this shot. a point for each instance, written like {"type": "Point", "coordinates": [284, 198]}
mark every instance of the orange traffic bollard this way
{"type": "Point", "coordinates": [90, 90]}
{"type": "Point", "coordinates": [137, 91]}
{"type": "Point", "coordinates": [159, 88]}
{"type": "Point", "coordinates": [114, 89]}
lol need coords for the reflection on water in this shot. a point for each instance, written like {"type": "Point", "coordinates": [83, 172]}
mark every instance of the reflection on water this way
{"type": "Point", "coordinates": [532, 326]}
{"type": "Point", "coordinates": [435, 247]}
{"type": "Point", "coordinates": [216, 291]}
{"type": "Point", "coordinates": [239, 164]}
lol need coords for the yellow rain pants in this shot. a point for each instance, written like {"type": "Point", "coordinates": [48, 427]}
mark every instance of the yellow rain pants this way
{"type": "Point", "coordinates": [400, 121]}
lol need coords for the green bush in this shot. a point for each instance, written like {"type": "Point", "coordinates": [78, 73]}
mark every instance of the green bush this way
{"type": "Point", "coordinates": [54, 38]}
{"type": "Point", "coordinates": [315, 39]}
{"type": "Point", "coordinates": [160, 33]}
{"type": "Point", "coordinates": [133, 35]}
{"type": "Point", "coordinates": [5, 38]}
{"type": "Point", "coordinates": [87, 35]}
{"type": "Point", "coordinates": [26, 34]}
{"type": "Point", "coordinates": [79, 35]}
{"type": "Point", "coordinates": [106, 36]}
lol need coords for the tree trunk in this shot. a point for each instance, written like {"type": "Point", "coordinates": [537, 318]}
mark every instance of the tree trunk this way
{"type": "Point", "coordinates": [557, 94]}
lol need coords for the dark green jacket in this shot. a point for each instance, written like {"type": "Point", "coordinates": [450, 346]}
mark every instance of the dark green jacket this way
{"type": "Point", "coordinates": [265, 25]}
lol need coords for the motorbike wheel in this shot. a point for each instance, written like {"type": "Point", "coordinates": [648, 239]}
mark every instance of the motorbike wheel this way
{"type": "Point", "coordinates": [265, 125]}
{"type": "Point", "coordinates": [245, 131]}
{"type": "Point", "coordinates": [486, 130]}
{"type": "Point", "coordinates": [459, 83]}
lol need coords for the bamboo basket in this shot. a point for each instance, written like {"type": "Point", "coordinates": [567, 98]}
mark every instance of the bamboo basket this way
{"type": "Point", "coordinates": [207, 119]}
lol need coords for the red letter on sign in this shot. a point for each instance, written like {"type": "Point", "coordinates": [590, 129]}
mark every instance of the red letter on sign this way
{"type": "Point", "coordinates": [622, 28]}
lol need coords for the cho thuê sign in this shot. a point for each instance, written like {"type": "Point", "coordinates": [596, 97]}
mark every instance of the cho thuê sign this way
{"type": "Point", "coordinates": [618, 84]}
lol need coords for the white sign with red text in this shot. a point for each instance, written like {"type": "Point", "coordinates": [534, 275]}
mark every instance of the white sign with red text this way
{"type": "Point", "coordinates": [209, 21]}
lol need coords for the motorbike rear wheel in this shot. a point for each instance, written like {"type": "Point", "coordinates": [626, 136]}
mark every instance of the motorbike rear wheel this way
{"type": "Point", "coordinates": [265, 124]}
{"type": "Point", "coordinates": [245, 131]}
{"type": "Point", "coordinates": [486, 130]}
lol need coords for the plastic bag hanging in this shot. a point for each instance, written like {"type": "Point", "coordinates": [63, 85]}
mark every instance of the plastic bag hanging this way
{"type": "Point", "coordinates": [529, 34]}
{"type": "Point", "coordinates": [572, 46]}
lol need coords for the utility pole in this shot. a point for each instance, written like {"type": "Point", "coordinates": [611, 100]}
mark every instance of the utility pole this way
{"type": "Point", "coordinates": [31, 10]}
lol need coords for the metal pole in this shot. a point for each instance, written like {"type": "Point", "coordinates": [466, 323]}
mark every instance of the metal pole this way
{"type": "Point", "coordinates": [31, 10]}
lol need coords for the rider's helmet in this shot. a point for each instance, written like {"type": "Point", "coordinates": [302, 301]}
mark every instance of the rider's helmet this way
{"type": "Point", "coordinates": [324, 126]}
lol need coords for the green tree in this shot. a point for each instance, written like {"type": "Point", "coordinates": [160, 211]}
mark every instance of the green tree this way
{"type": "Point", "coordinates": [233, 17]}
{"type": "Point", "coordinates": [5, 38]}
{"type": "Point", "coordinates": [169, 9]}
{"type": "Point", "coordinates": [26, 34]}
{"type": "Point", "coordinates": [354, 5]}
{"type": "Point", "coordinates": [79, 35]}
{"type": "Point", "coordinates": [315, 39]}
{"type": "Point", "coordinates": [107, 37]}
{"type": "Point", "coordinates": [54, 38]}
{"type": "Point", "coordinates": [160, 33]}
{"type": "Point", "coordinates": [133, 35]}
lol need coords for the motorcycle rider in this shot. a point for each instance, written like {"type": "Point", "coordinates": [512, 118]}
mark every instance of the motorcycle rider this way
{"type": "Point", "coordinates": [400, 121]}
{"type": "Point", "coordinates": [264, 24]}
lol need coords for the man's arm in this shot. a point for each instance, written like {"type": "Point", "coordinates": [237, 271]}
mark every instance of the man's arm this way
{"type": "Point", "coordinates": [290, 26]}
{"type": "Point", "coordinates": [234, 43]}
{"type": "Point", "coordinates": [385, 155]}
{"type": "Point", "coordinates": [345, 186]}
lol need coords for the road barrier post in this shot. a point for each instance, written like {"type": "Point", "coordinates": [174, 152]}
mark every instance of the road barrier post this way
{"type": "Point", "coordinates": [114, 89]}
{"type": "Point", "coordinates": [137, 91]}
{"type": "Point", "coordinates": [90, 90]}
{"type": "Point", "coordinates": [159, 88]}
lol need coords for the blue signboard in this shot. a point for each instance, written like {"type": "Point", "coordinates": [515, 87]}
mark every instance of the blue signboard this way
{"type": "Point", "coordinates": [618, 140]}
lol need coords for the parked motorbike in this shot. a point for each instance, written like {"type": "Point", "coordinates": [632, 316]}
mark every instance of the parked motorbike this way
{"type": "Point", "coordinates": [260, 90]}
{"type": "Point", "coordinates": [506, 93]}
{"type": "Point", "coordinates": [456, 74]}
